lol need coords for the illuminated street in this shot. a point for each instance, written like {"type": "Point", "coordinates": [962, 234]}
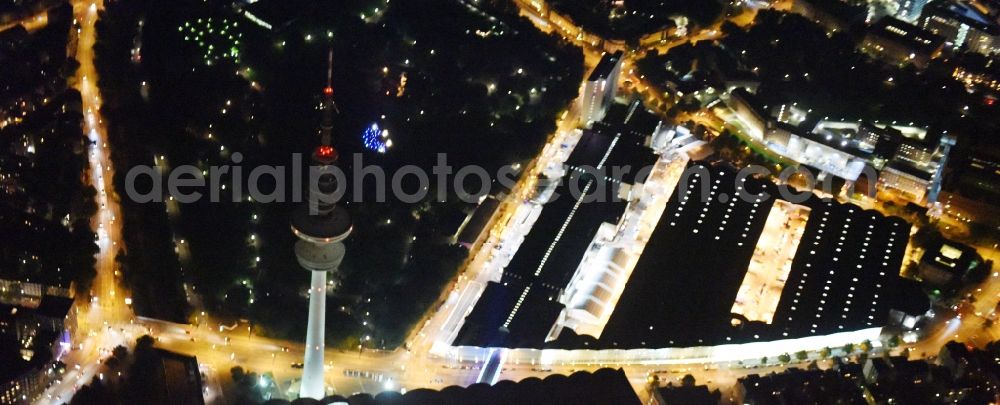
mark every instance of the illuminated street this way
{"type": "Point", "coordinates": [104, 322]}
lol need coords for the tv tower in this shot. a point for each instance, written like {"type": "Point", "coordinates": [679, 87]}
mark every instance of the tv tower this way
{"type": "Point", "coordinates": [321, 226]}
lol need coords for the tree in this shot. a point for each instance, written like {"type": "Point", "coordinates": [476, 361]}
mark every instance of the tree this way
{"type": "Point", "coordinates": [926, 235]}
{"type": "Point", "coordinates": [688, 381]}
{"type": "Point", "coordinates": [652, 382]}
{"type": "Point", "coordinates": [94, 393]}
{"type": "Point", "coordinates": [801, 355]}
{"type": "Point", "coordinates": [141, 381]}
{"type": "Point", "coordinates": [848, 348]}
{"type": "Point", "coordinates": [784, 358]}
{"type": "Point", "coordinates": [894, 341]}
{"type": "Point", "coordinates": [144, 343]}
{"type": "Point", "coordinates": [763, 360]}
{"type": "Point", "coordinates": [238, 374]}
{"type": "Point", "coordinates": [824, 353]}
{"type": "Point", "coordinates": [978, 273]}
{"type": "Point", "coordinates": [120, 352]}
{"type": "Point", "coordinates": [728, 28]}
{"type": "Point", "coordinates": [248, 391]}
{"type": "Point", "coordinates": [119, 356]}
{"type": "Point", "coordinates": [69, 68]}
{"type": "Point", "coordinates": [865, 346]}
{"type": "Point", "coordinates": [84, 205]}
{"type": "Point", "coordinates": [981, 232]}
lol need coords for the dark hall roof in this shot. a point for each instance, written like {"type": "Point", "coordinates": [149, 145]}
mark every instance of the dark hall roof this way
{"type": "Point", "coordinates": [602, 387]}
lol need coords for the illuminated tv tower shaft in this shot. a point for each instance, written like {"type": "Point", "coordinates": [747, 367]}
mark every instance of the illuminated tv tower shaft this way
{"type": "Point", "coordinates": [321, 226]}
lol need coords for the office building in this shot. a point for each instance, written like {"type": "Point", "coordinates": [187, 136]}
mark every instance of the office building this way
{"type": "Point", "coordinates": [834, 15]}
{"type": "Point", "coordinates": [30, 338]}
{"type": "Point", "coordinates": [968, 25]}
{"type": "Point", "coordinates": [900, 43]}
{"type": "Point", "coordinates": [599, 89]}
{"type": "Point", "coordinates": [946, 263]}
{"type": "Point", "coordinates": [909, 161]}
{"type": "Point", "coordinates": [909, 10]}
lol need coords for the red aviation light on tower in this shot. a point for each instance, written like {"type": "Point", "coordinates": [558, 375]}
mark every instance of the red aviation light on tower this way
{"type": "Point", "coordinates": [326, 154]}
{"type": "Point", "coordinates": [328, 91]}
{"type": "Point", "coordinates": [325, 151]}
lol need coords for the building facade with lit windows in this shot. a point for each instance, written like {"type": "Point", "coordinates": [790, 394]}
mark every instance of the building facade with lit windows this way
{"type": "Point", "coordinates": [600, 87]}
{"type": "Point", "coordinates": [905, 179]}
{"type": "Point", "coordinates": [748, 110]}
{"type": "Point", "coordinates": [916, 169]}
{"type": "Point", "coordinates": [909, 159]}
{"type": "Point", "coordinates": [22, 386]}
{"type": "Point", "coordinates": [900, 43]}
{"type": "Point", "coordinates": [973, 77]}
{"type": "Point", "coordinates": [945, 263]}
{"type": "Point", "coordinates": [27, 293]}
{"type": "Point", "coordinates": [54, 316]}
{"type": "Point", "coordinates": [979, 178]}
{"type": "Point", "coordinates": [909, 10]}
{"type": "Point", "coordinates": [977, 73]}
{"type": "Point", "coordinates": [30, 339]}
{"type": "Point", "coordinates": [967, 24]}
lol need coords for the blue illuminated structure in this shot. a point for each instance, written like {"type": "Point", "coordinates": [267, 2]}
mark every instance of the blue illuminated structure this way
{"type": "Point", "coordinates": [376, 139]}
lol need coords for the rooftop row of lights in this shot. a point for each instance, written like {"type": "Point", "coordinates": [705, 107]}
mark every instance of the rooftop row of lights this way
{"type": "Point", "coordinates": [857, 267]}
{"type": "Point", "coordinates": [711, 197]}
{"type": "Point", "coordinates": [559, 234]}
